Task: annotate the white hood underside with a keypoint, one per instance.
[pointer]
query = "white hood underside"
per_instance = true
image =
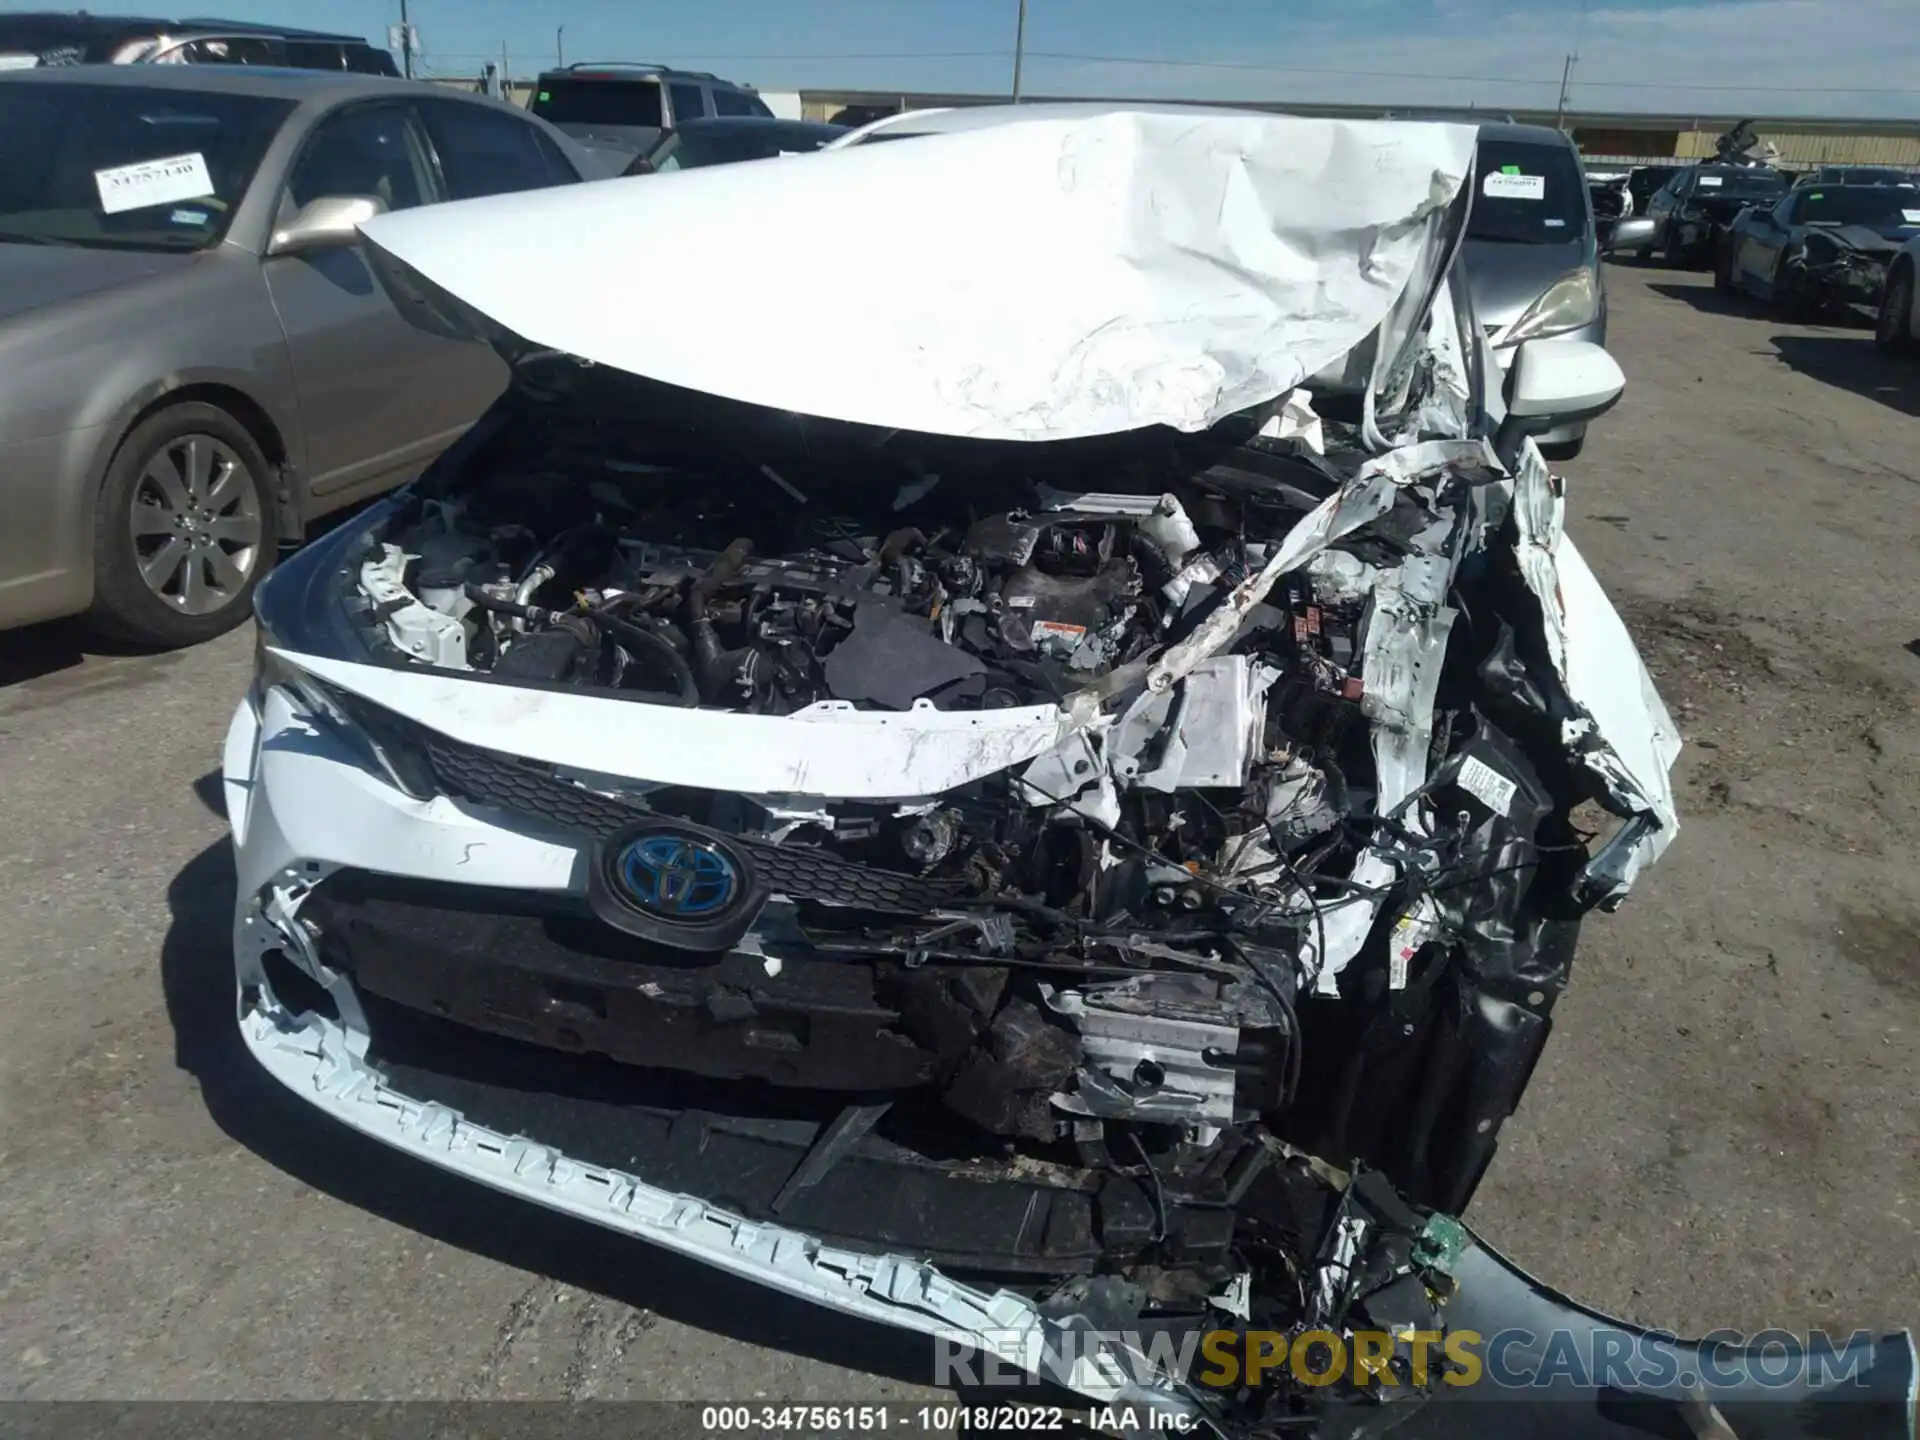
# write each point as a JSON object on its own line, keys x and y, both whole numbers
{"x": 1041, "y": 279}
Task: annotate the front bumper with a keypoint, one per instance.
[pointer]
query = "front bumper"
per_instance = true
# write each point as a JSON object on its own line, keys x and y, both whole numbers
{"x": 276, "y": 766}
{"x": 274, "y": 769}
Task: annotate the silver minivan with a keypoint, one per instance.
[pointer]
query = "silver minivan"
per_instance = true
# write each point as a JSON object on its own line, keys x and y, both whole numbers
{"x": 1531, "y": 253}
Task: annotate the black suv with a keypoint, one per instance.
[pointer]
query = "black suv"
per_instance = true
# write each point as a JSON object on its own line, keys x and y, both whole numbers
{"x": 623, "y": 108}
{"x": 49, "y": 38}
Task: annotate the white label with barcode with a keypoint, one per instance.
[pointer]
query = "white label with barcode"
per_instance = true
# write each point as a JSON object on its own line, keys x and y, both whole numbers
{"x": 1487, "y": 785}
{"x": 1502, "y": 186}
{"x": 153, "y": 182}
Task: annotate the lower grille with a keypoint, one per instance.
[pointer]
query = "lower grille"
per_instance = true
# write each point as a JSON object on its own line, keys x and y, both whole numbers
{"x": 526, "y": 787}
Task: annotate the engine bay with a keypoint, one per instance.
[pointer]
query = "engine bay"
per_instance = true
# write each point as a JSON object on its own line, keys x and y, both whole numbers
{"x": 751, "y": 598}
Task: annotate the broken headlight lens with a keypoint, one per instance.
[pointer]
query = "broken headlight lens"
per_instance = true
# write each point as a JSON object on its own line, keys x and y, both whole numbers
{"x": 379, "y": 736}
{"x": 1570, "y": 302}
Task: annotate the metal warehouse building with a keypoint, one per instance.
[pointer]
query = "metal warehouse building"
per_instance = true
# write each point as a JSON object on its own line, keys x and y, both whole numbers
{"x": 1801, "y": 142}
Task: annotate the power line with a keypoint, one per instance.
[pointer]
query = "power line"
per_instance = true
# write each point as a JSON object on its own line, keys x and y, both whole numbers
{"x": 1467, "y": 79}
{"x": 1475, "y": 79}
{"x": 794, "y": 55}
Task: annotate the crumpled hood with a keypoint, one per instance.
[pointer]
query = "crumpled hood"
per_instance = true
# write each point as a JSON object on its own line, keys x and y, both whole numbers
{"x": 1041, "y": 279}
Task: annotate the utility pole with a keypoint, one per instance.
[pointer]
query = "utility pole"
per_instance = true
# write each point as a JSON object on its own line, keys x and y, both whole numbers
{"x": 506, "y": 76}
{"x": 559, "y": 47}
{"x": 406, "y": 43}
{"x": 1566, "y": 70}
{"x": 1560, "y": 110}
{"x": 1019, "y": 49}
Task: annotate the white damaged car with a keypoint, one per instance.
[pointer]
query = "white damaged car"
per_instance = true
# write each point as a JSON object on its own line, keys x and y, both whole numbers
{"x": 987, "y": 735}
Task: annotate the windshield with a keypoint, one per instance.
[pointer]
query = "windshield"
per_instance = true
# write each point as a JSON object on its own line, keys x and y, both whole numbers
{"x": 1859, "y": 175}
{"x": 121, "y": 168}
{"x": 1737, "y": 182}
{"x": 699, "y": 145}
{"x": 597, "y": 102}
{"x": 1879, "y": 207}
{"x": 1527, "y": 194}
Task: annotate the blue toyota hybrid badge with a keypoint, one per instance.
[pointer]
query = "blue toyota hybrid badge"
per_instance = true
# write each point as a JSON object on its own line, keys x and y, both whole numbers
{"x": 678, "y": 877}
{"x": 675, "y": 884}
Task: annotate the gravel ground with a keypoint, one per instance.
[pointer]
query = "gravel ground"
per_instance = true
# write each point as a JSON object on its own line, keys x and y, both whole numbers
{"x": 1723, "y": 1133}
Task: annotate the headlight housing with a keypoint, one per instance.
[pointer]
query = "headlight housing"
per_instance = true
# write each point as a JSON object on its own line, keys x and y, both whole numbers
{"x": 1570, "y": 302}
{"x": 381, "y": 739}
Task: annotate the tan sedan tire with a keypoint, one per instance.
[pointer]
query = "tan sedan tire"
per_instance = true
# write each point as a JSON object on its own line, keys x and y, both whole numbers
{"x": 184, "y": 530}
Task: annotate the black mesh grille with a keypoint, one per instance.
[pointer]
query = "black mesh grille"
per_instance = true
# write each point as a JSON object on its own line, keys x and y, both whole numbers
{"x": 487, "y": 777}
{"x": 807, "y": 874}
{"x": 506, "y": 782}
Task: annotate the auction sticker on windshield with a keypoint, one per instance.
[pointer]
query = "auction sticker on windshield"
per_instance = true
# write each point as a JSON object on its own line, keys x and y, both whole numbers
{"x": 1711, "y": 182}
{"x": 1912, "y": 217}
{"x": 1503, "y": 185}
{"x": 153, "y": 182}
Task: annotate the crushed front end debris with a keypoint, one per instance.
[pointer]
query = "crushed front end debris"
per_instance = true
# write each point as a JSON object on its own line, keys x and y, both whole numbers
{"x": 1120, "y": 880}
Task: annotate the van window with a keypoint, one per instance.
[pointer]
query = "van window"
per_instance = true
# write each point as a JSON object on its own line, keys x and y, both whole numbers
{"x": 579, "y": 101}
{"x": 687, "y": 102}
{"x": 737, "y": 102}
{"x": 486, "y": 152}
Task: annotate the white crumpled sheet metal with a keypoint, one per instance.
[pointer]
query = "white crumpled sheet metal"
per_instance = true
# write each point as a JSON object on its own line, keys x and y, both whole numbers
{"x": 1627, "y": 739}
{"x": 1041, "y": 279}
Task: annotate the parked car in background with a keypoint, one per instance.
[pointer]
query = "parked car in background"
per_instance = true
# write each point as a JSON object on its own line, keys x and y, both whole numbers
{"x": 698, "y": 143}
{"x": 1820, "y": 250}
{"x": 1621, "y": 194}
{"x": 1606, "y": 191}
{"x": 198, "y": 360}
{"x": 1531, "y": 252}
{"x": 1643, "y": 181}
{"x": 1692, "y": 211}
{"x": 620, "y": 109}
{"x": 1897, "y": 323}
{"x": 1852, "y": 175}
{"x": 49, "y": 38}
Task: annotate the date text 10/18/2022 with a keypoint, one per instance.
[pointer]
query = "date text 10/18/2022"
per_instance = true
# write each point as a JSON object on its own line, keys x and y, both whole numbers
{"x": 937, "y": 1419}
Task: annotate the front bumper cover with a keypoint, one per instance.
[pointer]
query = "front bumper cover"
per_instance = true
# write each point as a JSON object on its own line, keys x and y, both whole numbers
{"x": 1671, "y": 1387}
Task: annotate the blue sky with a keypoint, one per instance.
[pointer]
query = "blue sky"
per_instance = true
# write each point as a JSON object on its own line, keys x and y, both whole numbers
{"x": 1813, "y": 57}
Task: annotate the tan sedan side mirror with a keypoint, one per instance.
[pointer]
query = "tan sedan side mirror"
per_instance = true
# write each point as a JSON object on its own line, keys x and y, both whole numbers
{"x": 329, "y": 220}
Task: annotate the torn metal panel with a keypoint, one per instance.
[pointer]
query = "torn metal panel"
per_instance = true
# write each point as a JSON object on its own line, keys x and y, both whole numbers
{"x": 319, "y": 1060}
{"x": 1360, "y": 500}
{"x": 827, "y": 749}
{"x": 1406, "y": 642}
{"x": 1064, "y": 276}
{"x": 1625, "y": 738}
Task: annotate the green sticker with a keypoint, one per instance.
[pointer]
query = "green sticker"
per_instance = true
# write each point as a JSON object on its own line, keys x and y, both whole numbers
{"x": 1509, "y": 169}
{"x": 1814, "y": 196}
{"x": 543, "y": 95}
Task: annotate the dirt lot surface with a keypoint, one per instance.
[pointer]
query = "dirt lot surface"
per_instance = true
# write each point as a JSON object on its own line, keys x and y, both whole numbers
{"x": 1723, "y": 1132}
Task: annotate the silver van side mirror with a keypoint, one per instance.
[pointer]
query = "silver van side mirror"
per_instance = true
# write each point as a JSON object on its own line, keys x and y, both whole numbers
{"x": 326, "y": 221}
